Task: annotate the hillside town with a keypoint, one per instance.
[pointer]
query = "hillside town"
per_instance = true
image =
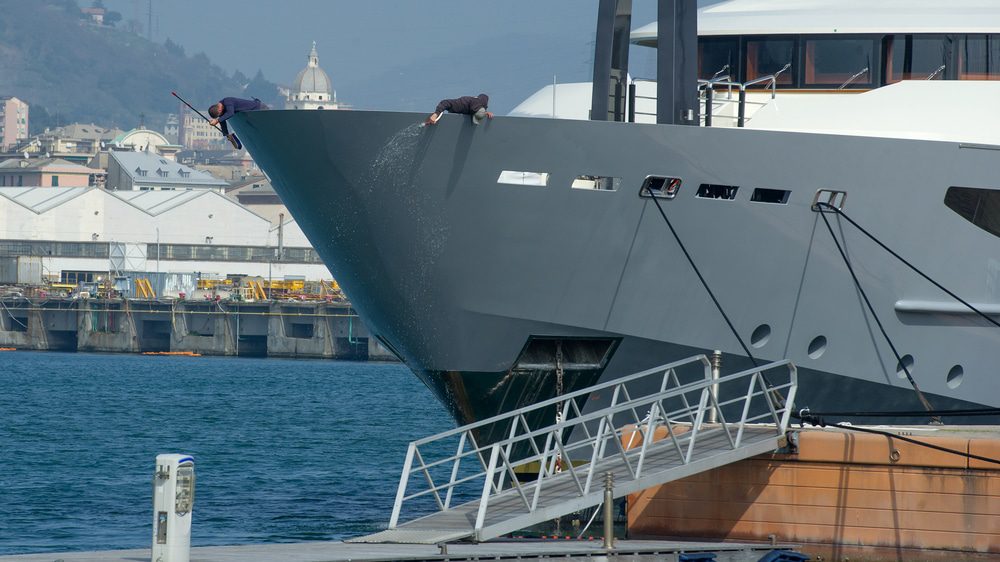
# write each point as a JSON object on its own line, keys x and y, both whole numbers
{"x": 92, "y": 206}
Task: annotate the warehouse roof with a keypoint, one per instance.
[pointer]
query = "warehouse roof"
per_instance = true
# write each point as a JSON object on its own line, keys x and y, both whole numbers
{"x": 143, "y": 167}
{"x": 43, "y": 165}
{"x": 41, "y": 199}
{"x": 153, "y": 203}
{"x": 158, "y": 202}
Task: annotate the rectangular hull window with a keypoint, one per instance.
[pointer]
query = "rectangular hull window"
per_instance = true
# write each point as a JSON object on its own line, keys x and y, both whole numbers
{"x": 776, "y": 196}
{"x": 715, "y": 191}
{"x": 510, "y": 177}
{"x": 597, "y": 183}
{"x": 981, "y": 207}
{"x": 660, "y": 186}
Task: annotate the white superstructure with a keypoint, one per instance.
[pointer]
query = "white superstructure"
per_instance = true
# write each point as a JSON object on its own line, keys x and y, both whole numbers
{"x": 904, "y": 69}
{"x": 779, "y": 17}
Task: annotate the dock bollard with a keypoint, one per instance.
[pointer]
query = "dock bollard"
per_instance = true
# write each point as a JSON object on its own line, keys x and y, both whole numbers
{"x": 173, "y": 501}
{"x": 609, "y": 510}
{"x": 716, "y": 360}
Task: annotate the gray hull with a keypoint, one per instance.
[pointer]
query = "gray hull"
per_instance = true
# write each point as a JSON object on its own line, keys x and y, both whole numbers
{"x": 456, "y": 272}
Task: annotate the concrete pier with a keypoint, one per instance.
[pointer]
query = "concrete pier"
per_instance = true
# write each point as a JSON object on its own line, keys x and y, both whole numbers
{"x": 309, "y": 329}
{"x": 632, "y": 551}
{"x": 845, "y": 495}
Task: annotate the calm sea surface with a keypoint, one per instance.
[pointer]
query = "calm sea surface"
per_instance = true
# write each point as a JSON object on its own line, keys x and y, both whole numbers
{"x": 284, "y": 450}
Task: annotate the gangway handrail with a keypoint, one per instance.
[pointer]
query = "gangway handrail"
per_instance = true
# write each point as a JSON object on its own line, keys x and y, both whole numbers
{"x": 551, "y": 401}
{"x": 500, "y": 462}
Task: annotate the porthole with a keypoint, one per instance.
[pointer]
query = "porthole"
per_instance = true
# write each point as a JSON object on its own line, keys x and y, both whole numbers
{"x": 817, "y": 347}
{"x": 955, "y": 376}
{"x": 760, "y": 335}
{"x": 906, "y": 361}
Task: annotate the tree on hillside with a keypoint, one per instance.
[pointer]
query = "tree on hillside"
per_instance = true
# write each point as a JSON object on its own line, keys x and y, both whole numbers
{"x": 264, "y": 90}
{"x": 201, "y": 59}
{"x": 40, "y": 119}
{"x": 68, "y": 73}
{"x": 174, "y": 48}
{"x": 111, "y": 18}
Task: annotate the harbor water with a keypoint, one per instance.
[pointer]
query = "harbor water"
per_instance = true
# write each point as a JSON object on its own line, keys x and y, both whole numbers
{"x": 285, "y": 450}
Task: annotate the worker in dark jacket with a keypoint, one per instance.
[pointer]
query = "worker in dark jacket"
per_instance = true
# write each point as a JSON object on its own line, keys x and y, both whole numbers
{"x": 226, "y": 108}
{"x": 468, "y": 105}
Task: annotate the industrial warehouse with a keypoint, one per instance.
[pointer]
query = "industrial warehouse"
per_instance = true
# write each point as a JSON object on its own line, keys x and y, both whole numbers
{"x": 83, "y": 233}
{"x": 143, "y": 241}
{"x": 189, "y": 272}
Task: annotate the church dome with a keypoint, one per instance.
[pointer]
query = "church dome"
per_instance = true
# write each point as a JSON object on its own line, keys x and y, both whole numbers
{"x": 313, "y": 79}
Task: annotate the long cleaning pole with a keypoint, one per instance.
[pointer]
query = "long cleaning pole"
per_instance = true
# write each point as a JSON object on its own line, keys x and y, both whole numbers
{"x": 200, "y": 114}
{"x": 232, "y": 138}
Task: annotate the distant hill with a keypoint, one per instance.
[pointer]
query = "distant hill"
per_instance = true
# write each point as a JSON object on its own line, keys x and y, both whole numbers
{"x": 70, "y": 69}
{"x": 508, "y": 67}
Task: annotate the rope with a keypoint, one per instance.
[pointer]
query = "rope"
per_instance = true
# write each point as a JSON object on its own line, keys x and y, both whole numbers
{"x": 775, "y": 394}
{"x": 816, "y": 420}
{"x": 871, "y": 309}
{"x": 906, "y": 263}
{"x": 704, "y": 283}
{"x": 914, "y": 413}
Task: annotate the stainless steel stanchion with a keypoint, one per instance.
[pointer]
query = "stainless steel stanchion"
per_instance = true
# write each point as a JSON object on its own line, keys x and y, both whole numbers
{"x": 609, "y": 511}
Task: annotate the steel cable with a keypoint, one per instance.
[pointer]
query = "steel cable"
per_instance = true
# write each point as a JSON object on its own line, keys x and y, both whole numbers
{"x": 704, "y": 283}
{"x": 878, "y": 321}
{"x": 915, "y": 269}
{"x": 817, "y": 420}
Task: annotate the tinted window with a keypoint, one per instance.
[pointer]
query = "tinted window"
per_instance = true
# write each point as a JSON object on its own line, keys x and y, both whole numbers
{"x": 715, "y": 54}
{"x": 834, "y": 61}
{"x": 768, "y": 56}
{"x": 979, "y": 57}
{"x": 915, "y": 57}
{"x": 776, "y": 196}
{"x": 981, "y": 207}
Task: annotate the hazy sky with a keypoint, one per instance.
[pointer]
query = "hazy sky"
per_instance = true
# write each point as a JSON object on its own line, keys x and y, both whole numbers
{"x": 371, "y": 46}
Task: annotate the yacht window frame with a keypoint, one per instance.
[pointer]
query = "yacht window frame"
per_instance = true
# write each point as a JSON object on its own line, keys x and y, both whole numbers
{"x": 788, "y": 79}
{"x": 808, "y": 78}
{"x": 961, "y": 41}
{"x": 887, "y": 50}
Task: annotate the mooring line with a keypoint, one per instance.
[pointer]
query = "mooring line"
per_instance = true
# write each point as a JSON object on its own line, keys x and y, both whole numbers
{"x": 878, "y": 321}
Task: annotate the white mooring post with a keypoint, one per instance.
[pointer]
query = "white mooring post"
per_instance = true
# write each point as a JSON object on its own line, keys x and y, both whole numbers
{"x": 173, "y": 500}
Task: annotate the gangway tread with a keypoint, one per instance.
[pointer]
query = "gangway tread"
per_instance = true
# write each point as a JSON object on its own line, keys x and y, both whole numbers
{"x": 688, "y": 444}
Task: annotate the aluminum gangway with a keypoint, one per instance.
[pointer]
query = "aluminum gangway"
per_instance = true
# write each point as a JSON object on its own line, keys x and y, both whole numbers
{"x": 648, "y": 429}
